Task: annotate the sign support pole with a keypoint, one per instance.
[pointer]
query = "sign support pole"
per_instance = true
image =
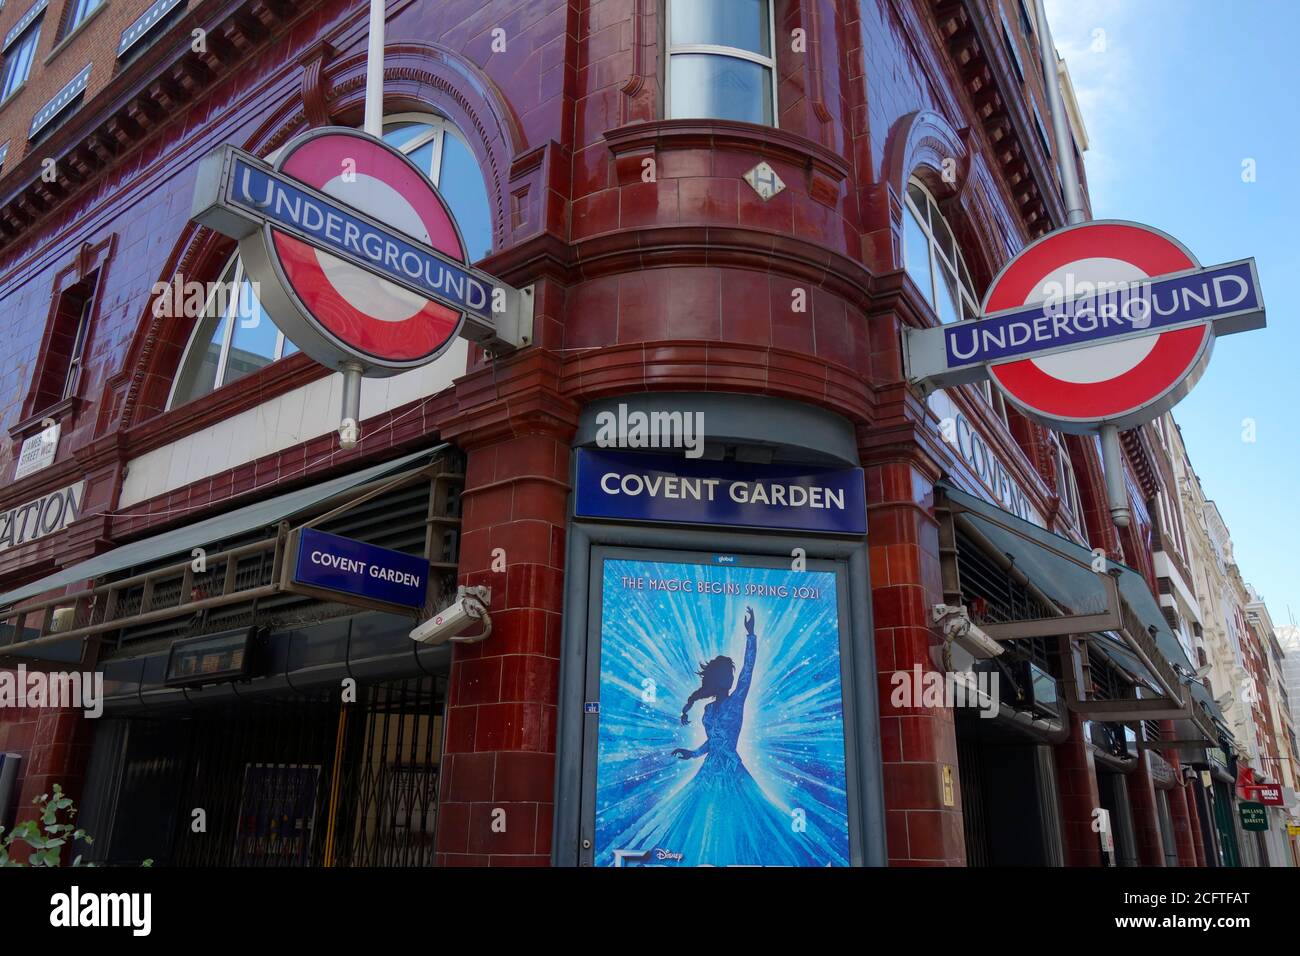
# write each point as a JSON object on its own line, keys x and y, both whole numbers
{"x": 350, "y": 417}
{"x": 1112, "y": 460}
{"x": 374, "y": 123}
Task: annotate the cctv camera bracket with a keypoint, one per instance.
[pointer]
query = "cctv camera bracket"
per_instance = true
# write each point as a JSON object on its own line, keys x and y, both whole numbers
{"x": 958, "y": 628}
{"x": 476, "y": 600}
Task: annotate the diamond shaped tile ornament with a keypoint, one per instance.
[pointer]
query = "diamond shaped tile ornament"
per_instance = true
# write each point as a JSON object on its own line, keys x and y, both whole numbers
{"x": 765, "y": 181}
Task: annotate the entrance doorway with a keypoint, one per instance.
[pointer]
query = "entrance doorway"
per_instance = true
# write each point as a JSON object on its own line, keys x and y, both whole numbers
{"x": 283, "y": 781}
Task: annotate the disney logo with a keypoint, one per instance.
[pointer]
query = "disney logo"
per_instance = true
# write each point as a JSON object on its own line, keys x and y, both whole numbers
{"x": 661, "y": 854}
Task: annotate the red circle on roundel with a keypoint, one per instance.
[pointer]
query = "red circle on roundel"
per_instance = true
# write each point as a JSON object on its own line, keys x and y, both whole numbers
{"x": 427, "y": 328}
{"x": 1170, "y": 359}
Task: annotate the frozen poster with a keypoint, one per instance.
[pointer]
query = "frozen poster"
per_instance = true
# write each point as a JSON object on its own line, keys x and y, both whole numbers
{"x": 721, "y": 739}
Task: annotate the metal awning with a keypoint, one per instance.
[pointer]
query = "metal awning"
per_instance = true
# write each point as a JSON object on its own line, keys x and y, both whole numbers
{"x": 44, "y": 642}
{"x": 1093, "y": 597}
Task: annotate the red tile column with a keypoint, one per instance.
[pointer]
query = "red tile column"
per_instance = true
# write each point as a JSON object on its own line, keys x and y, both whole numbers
{"x": 1179, "y": 814}
{"x": 1146, "y": 824}
{"x": 55, "y": 747}
{"x": 496, "y": 798}
{"x": 917, "y": 743}
{"x": 1076, "y": 781}
{"x": 1194, "y": 816}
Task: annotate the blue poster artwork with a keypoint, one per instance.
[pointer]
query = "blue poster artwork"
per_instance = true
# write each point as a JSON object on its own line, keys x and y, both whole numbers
{"x": 721, "y": 739}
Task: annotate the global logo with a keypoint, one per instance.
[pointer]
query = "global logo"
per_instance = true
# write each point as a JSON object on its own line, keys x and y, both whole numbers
{"x": 335, "y": 259}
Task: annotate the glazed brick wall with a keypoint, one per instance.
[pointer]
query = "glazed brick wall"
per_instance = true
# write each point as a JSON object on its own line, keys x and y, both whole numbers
{"x": 54, "y": 745}
{"x": 686, "y": 281}
{"x": 499, "y": 756}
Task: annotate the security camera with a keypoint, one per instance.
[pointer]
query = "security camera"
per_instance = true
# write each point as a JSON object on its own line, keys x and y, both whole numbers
{"x": 965, "y": 633}
{"x": 469, "y": 607}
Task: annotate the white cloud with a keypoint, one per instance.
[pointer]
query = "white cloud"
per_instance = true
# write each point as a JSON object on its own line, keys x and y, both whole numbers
{"x": 1092, "y": 37}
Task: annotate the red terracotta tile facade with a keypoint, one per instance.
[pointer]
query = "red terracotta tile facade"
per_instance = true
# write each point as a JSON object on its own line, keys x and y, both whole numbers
{"x": 687, "y": 282}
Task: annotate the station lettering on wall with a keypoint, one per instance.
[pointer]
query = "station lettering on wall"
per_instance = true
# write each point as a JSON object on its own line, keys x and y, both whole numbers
{"x": 997, "y": 484}
{"x": 788, "y": 497}
{"x": 46, "y": 515}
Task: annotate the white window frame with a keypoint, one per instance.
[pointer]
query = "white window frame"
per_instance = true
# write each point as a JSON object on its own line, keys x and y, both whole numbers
{"x": 967, "y": 304}
{"x": 439, "y": 127}
{"x": 715, "y": 49}
{"x": 81, "y": 11}
{"x": 33, "y": 33}
{"x": 1067, "y": 483}
{"x": 76, "y": 360}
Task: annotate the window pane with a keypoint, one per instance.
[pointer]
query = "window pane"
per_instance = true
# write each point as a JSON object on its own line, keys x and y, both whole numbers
{"x": 83, "y": 9}
{"x": 946, "y": 305}
{"x": 399, "y": 134}
{"x": 462, "y": 187}
{"x": 921, "y": 200}
{"x": 916, "y": 253}
{"x": 738, "y": 23}
{"x": 18, "y": 62}
{"x": 199, "y": 376}
{"x": 720, "y": 87}
{"x": 423, "y": 157}
{"x": 942, "y": 236}
{"x": 289, "y": 348}
{"x": 253, "y": 344}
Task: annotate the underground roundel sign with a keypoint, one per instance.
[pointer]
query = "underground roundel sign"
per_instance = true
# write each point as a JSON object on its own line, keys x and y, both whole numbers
{"x": 356, "y": 254}
{"x": 1104, "y": 322}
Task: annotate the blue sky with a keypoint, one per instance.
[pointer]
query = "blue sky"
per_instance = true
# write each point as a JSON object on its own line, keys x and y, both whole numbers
{"x": 1175, "y": 97}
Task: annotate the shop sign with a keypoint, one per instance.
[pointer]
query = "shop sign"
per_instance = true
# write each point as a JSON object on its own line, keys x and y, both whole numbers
{"x": 328, "y": 562}
{"x": 721, "y": 738}
{"x": 1269, "y": 794}
{"x": 1000, "y": 487}
{"x": 1254, "y": 816}
{"x": 630, "y": 487}
{"x": 38, "y": 451}
{"x": 46, "y": 515}
{"x": 1101, "y": 323}
{"x": 357, "y": 255}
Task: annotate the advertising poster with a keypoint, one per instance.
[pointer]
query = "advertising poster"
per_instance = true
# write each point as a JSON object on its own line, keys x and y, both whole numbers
{"x": 277, "y": 812}
{"x": 721, "y": 725}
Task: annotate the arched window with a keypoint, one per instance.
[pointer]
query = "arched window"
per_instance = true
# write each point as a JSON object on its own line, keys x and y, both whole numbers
{"x": 932, "y": 259}
{"x": 235, "y": 337}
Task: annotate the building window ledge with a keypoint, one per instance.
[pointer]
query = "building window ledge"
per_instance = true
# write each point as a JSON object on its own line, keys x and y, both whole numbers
{"x": 826, "y": 169}
{"x": 59, "y": 412}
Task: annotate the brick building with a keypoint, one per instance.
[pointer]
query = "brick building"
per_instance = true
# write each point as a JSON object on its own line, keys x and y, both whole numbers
{"x": 731, "y": 209}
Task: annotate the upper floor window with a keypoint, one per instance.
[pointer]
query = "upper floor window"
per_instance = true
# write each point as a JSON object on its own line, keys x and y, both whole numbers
{"x": 1026, "y": 19}
{"x": 932, "y": 259}
{"x": 1013, "y": 48}
{"x": 18, "y": 60}
{"x": 721, "y": 60}
{"x": 60, "y": 370}
{"x": 78, "y": 11}
{"x": 235, "y": 336}
{"x": 1067, "y": 487}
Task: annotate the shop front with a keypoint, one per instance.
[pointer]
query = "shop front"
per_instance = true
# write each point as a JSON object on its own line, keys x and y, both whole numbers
{"x": 249, "y": 719}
